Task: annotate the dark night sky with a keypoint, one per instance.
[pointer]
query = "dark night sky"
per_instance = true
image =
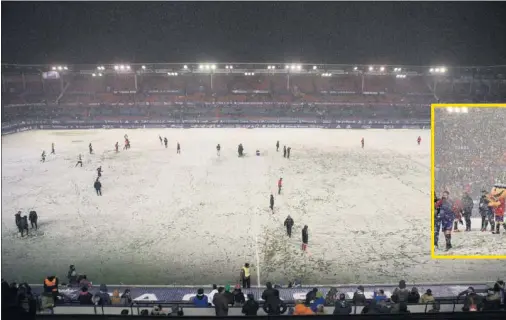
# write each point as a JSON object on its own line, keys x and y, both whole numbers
{"x": 420, "y": 33}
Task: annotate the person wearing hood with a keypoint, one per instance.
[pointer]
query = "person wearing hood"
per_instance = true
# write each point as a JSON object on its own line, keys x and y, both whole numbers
{"x": 72, "y": 275}
{"x": 251, "y": 307}
{"x": 103, "y": 296}
{"x": 414, "y": 296}
{"x": 220, "y": 303}
{"x": 311, "y": 295}
{"x": 358, "y": 296}
{"x": 427, "y": 297}
{"x": 275, "y": 306}
{"x": 269, "y": 292}
{"x": 200, "y": 300}
{"x": 301, "y": 309}
{"x": 238, "y": 295}
{"x": 319, "y": 300}
{"x": 342, "y": 306}
{"x": 331, "y": 297}
{"x": 289, "y": 225}
{"x": 229, "y": 295}
{"x": 212, "y": 293}
{"x": 85, "y": 298}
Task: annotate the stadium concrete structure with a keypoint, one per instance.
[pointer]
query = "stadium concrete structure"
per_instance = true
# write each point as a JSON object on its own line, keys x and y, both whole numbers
{"x": 147, "y": 96}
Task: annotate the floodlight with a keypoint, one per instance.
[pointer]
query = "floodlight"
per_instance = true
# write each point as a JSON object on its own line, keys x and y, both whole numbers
{"x": 287, "y": 67}
{"x": 207, "y": 67}
{"x": 94, "y": 75}
{"x": 65, "y": 68}
{"x": 100, "y": 74}
{"x": 431, "y": 70}
{"x": 60, "y": 68}
{"x": 143, "y": 67}
{"x": 213, "y": 66}
{"x": 443, "y": 70}
{"x": 450, "y": 109}
{"x": 382, "y": 69}
{"x": 116, "y": 67}
{"x": 355, "y": 68}
{"x": 315, "y": 67}
{"x": 371, "y": 68}
{"x": 54, "y": 68}
{"x": 185, "y": 67}
{"x": 201, "y": 66}
{"x": 299, "y": 67}
{"x": 292, "y": 67}
{"x": 437, "y": 70}
{"x": 128, "y": 67}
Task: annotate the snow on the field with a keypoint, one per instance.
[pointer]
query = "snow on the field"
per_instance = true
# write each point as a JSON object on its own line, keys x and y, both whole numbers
{"x": 196, "y": 218}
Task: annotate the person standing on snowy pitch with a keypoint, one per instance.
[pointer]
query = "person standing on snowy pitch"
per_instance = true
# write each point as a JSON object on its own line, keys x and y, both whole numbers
{"x": 166, "y": 142}
{"x": 178, "y": 148}
{"x": 289, "y": 224}
{"x": 52, "y": 148}
{"x": 91, "y": 148}
{"x": 161, "y": 140}
{"x": 419, "y": 140}
{"x": 305, "y": 238}
{"x": 23, "y": 225}
{"x": 98, "y": 187}
{"x": 284, "y": 151}
{"x": 362, "y": 142}
{"x": 116, "y": 146}
{"x": 218, "y": 148}
{"x": 447, "y": 214}
{"x": 277, "y": 146}
{"x": 43, "y": 156}
{"x": 33, "y": 219}
{"x": 288, "y": 152}
{"x": 280, "y": 185}
{"x": 437, "y": 221}
{"x": 484, "y": 210}
{"x": 240, "y": 150}
{"x": 467, "y": 209}
{"x": 99, "y": 171}
{"x": 79, "y": 161}
{"x": 271, "y": 201}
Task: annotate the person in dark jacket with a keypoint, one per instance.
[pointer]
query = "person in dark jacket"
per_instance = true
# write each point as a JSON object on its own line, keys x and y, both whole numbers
{"x": 358, "y": 296}
{"x": 470, "y": 298}
{"x": 342, "y": 306}
{"x": 98, "y": 187}
{"x": 414, "y": 296}
{"x": 220, "y": 303}
{"x": 289, "y": 224}
{"x": 284, "y": 151}
{"x": 251, "y": 307}
{"x": 288, "y": 150}
{"x": 200, "y": 300}
{"x": 23, "y": 225}
{"x": 305, "y": 238}
{"x": 311, "y": 295}
{"x": 238, "y": 295}
{"x": 18, "y": 219}
{"x": 85, "y": 297}
{"x": 269, "y": 292}
{"x": 33, "y": 219}
{"x": 277, "y": 146}
{"x": 484, "y": 209}
{"x": 229, "y": 295}
{"x": 271, "y": 202}
{"x": 72, "y": 275}
{"x": 103, "y": 296}
{"x": 275, "y": 306}
{"x": 400, "y": 293}
{"x": 403, "y": 308}
{"x": 467, "y": 208}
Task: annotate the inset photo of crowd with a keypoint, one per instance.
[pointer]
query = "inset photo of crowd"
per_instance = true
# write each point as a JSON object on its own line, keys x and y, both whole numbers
{"x": 469, "y": 181}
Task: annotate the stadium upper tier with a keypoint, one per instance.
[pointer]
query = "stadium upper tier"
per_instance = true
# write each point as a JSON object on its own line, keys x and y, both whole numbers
{"x": 195, "y": 84}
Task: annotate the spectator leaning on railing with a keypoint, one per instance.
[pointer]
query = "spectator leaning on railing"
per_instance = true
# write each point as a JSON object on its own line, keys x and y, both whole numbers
{"x": 427, "y": 297}
{"x": 251, "y": 307}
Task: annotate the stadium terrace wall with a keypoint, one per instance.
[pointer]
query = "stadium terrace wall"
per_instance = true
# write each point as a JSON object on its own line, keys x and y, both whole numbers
{"x": 10, "y": 128}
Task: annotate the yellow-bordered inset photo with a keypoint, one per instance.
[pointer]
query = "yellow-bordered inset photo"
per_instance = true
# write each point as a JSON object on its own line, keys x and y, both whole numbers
{"x": 468, "y": 170}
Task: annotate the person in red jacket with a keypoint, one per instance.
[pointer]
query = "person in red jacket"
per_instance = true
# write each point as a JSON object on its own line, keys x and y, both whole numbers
{"x": 280, "y": 185}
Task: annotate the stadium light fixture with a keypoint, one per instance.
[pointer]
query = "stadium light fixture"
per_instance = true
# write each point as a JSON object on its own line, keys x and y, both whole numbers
{"x": 93, "y": 74}
{"x": 201, "y": 67}
{"x": 99, "y": 74}
{"x": 371, "y": 68}
{"x": 54, "y": 68}
{"x": 315, "y": 67}
{"x": 355, "y": 69}
{"x": 326, "y": 75}
{"x": 299, "y": 67}
{"x": 185, "y": 67}
{"x": 213, "y": 67}
{"x": 116, "y": 67}
{"x": 65, "y": 68}
{"x": 431, "y": 70}
{"x": 382, "y": 69}
{"x": 287, "y": 67}
{"x": 143, "y": 67}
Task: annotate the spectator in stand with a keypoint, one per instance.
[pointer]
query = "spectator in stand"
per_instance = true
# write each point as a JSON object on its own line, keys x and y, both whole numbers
{"x": 311, "y": 295}
{"x": 320, "y": 309}
{"x": 400, "y": 293}
{"x": 301, "y": 309}
{"x": 493, "y": 299}
{"x": 269, "y": 292}
{"x": 126, "y": 298}
{"x": 51, "y": 286}
{"x": 331, "y": 297}
{"x": 200, "y": 300}
{"x": 471, "y": 299}
{"x": 115, "y": 299}
{"x": 85, "y": 297}
{"x": 317, "y": 301}
{"x": 220, "y": 303}
{"x": 251, "y": 307}
{"x": 403, "y": 308}
{"x": 158, "y": 311}
{"x": 229, "y": 295}
{"x": 427, "y": 297}
{"x": 238, "y": 295}
{"x": 414, "y": 296}
{"x": 84, "y": 282}
{"x": 379, "y": 295}
{"x": 102, "y": 297}
{"x": 275, "y": 306}
{"x": 26, "y": 300}
{"x": 212, "y": 293}
{"x": 358, "y": 296}
{"x": 342, "y": 306}
{"x": 72, "y": 276}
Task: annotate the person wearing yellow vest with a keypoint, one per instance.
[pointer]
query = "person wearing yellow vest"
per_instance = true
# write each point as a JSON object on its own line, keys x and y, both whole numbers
{"x": 245, "y": 276}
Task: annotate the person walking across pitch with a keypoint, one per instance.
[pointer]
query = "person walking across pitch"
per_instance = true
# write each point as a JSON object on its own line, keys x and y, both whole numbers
{"x": 98, "y": 187}
{"x": 161, "y": 140}
{"x": 166, "y": 142}
{"x": 289, "y": 224}
{"x": 277, "y": 146}
{"x": 43, "y": 156}
{"x": 271, "y": 203}
{"x": 305, "y": 238}
{"x": 218, "y": 149}
{"x": 79, "y": 161}
{"x": 284, "y": 151}
{"x": 280, "y": 185}
{"x": 178, "y": 148}
{"x": 99, "y": 171}
{"x": 246, "y": 276}
{"x": 52, "y": 148}
{"x": 91, "y": 148}
{"x": 116, "y": 146}
{"x": 33, "y": 219}
{"x": 288, "y": 152}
